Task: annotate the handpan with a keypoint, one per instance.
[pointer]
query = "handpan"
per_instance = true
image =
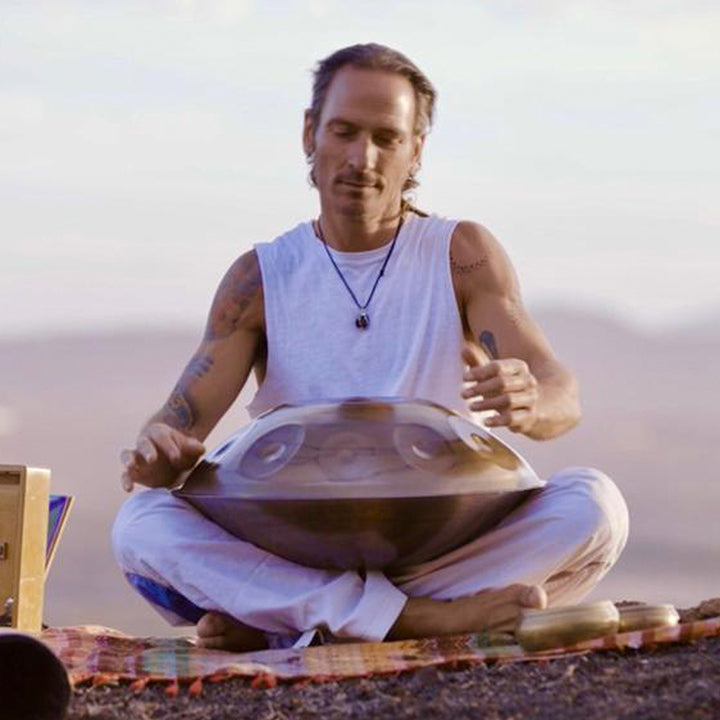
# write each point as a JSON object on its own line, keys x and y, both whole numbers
{"x": 376, "y": 483}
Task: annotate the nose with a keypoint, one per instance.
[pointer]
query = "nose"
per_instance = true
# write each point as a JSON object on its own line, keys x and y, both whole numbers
{"x": 362, "y": 154}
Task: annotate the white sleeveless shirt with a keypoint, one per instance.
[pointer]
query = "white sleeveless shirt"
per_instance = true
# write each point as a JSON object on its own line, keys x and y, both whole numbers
{"x": 412, "y": 346}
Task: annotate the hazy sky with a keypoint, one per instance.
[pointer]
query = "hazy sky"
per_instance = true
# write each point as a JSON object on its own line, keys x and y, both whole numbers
{"x": 144, "y": 145}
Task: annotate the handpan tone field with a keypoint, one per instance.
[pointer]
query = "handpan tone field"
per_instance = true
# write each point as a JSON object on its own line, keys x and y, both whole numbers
{"x": 370, "y": 483}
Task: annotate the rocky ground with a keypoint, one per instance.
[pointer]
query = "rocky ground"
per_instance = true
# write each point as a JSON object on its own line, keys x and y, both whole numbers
{"x": 665, "y": 682}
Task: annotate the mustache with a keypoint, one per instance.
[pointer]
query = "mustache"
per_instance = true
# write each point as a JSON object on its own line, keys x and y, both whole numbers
{"x": 358, "y": 178}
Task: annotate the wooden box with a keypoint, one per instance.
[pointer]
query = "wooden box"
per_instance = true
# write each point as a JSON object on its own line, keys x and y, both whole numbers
{"x": 24, "y": 502}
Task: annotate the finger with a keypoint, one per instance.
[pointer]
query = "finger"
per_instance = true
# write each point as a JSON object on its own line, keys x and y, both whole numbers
{"x": 189, "y": 448}
{"x": 127, "y": 483}
{"x": 165, "y": 441}
{"x": 188, "y": 456}
{"x": 191, "y": 445}
{"x": 490, "y": 369}
{"x": 502, "y": 419}
{"x": 515, "y": 366}
{"x": 146, "y": 449}
{"x": 496, "y": 385}
{"x": 175, "y": 446}
{"x": 472, "y": 356}
{"x": 128, "y": 457}
{"x": 479, "y": 373}
{"x": 506, "y": 367}
{"x": 515, "y": 420}
{"x": 133, "y": 462}
{"x": 512, "y": 401}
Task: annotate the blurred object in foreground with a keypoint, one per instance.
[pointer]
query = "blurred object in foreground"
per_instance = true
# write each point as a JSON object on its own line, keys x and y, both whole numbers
{"x": 35, "y": 685}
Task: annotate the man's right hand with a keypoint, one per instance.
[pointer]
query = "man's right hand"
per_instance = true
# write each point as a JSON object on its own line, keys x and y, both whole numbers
{"x": 161, "y": 454}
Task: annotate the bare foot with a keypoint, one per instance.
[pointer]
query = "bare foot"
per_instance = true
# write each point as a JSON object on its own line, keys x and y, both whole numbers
{"x": 496, "y": 610}
{"x": 218, "y": 631}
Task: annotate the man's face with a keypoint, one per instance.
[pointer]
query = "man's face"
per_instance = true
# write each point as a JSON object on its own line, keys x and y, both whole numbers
{"x": 364, "y": 146}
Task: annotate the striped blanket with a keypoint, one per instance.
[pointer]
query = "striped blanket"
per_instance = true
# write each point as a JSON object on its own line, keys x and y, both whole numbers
{"x": 99, "y": 655}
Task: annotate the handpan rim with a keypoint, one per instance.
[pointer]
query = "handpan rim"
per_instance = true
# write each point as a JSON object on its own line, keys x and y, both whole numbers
{"x": 356, "y": 489}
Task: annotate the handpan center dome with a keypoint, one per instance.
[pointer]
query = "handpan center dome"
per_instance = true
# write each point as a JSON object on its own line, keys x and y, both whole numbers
{"x": 380, "y": 483}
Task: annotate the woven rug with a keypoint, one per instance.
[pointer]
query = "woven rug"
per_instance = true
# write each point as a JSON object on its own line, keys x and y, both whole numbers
{"x": 100, "y": 656}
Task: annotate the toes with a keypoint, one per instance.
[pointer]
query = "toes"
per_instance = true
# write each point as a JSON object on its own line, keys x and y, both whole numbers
{"x": 218, "y": 631}
{"x": 501, "y": 608}
{"x": 217, "y": 642}
{"x": 212, "y": 624}
{"x": 503, "y": 616}
{"x": 533, "y": 596}
{"x": 524, "y": 596}
{"x": 521, "y": 597}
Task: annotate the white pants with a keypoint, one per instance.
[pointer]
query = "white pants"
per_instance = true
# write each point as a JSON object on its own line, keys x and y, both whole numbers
{"x": 564, "y": 538}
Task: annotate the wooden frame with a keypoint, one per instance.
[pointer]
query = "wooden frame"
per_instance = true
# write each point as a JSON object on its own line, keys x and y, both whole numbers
{"x": 24, "y": 499}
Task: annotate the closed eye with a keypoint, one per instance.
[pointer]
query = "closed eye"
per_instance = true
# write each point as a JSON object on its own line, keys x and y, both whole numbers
{"x": 342, "y": 130}
{"x": 387, "y": 139}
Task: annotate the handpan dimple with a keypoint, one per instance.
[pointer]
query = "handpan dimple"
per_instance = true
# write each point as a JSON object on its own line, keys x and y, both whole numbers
{"x": 350, "y": 455}
{"x": 272, "y": 451}
{"x": 423, "y": 448}
{"x": 483, "y": 443}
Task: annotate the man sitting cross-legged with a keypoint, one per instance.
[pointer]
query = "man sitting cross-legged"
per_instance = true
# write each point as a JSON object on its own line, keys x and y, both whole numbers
{"x": 374, "y": 299}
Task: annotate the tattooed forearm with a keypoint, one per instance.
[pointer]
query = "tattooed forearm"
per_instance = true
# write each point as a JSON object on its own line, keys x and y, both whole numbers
{"x": 459, "y": 268}
{"x": 179, "y": 410}
{"x": 199, "y": 366}
{"x": 487, "y": 343}
{"x": 239, "y": 293}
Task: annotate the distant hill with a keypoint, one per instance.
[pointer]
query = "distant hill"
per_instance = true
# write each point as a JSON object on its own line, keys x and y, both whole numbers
{"x": 651, "y": 421}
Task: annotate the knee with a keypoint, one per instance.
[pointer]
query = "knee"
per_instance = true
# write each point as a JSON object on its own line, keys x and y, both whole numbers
{"x": 597, "y": 507}
{"x": 127, "y": 530}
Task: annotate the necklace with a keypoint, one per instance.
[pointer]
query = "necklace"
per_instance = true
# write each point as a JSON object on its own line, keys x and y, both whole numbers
{"x": 363, "y": 319}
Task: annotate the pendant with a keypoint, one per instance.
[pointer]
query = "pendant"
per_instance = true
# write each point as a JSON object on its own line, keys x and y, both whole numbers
{"x": 362, "y": 321}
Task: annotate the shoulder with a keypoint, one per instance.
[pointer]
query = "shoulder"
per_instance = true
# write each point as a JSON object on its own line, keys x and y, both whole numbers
{"x": 238, "y": 302}
{"x": 478, "y": 261}
{"x": 286, "y": 247}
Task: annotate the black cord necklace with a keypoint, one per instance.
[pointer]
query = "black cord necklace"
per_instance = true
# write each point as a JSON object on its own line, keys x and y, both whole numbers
{"x": 363, "y": 319}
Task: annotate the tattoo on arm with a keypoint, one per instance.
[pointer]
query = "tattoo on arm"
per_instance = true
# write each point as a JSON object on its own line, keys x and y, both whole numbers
{"x": 487, "y": 343}
{"x": 237, "y": 292}
{"x": 179, "y": 410}
{"x": 459, "y": 268}
{"x": 515, "y": 312}
{"x": 199, "y": 366}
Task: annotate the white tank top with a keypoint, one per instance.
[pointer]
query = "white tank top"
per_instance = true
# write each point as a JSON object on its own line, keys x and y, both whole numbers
{"x": 412, "y": 346}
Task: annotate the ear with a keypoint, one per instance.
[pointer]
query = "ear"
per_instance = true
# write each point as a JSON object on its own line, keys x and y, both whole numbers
{"x": 308, "y": 135}
{"x": 418, "y": 145}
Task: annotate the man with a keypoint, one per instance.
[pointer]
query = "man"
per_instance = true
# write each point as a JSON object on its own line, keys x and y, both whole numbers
{"x": 376, "y": 299}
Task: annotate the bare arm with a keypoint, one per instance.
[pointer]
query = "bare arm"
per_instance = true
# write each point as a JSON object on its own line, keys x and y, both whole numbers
{"x": 171, "y": 440}
{"x": 517, "y": 373}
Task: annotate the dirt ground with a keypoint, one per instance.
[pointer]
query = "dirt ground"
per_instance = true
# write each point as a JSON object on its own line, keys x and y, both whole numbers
{"x": 665, "y": 682}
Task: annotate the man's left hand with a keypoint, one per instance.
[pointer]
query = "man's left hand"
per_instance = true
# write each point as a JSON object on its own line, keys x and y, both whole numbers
{"x": 506, "y": 386}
